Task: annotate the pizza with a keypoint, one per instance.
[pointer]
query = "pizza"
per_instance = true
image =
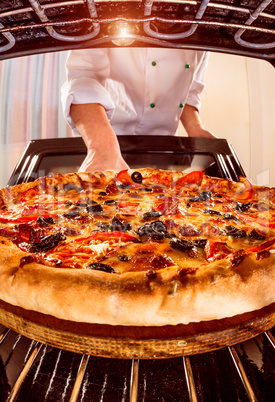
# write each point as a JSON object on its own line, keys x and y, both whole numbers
{"x": 141, "y": 247}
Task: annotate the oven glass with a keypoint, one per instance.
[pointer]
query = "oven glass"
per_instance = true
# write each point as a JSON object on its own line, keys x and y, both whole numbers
{"x": 52, "y": 164}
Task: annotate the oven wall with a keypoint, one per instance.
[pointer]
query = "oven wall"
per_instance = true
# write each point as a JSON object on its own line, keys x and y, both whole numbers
{"x": 238, "y": 103}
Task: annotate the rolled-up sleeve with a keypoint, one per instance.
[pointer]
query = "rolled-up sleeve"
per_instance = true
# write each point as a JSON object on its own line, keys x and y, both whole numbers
{"x": 86, "y": 71}
{"x": 198, "y": 83}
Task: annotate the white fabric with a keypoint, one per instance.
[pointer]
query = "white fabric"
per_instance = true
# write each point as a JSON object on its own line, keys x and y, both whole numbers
{"x": 126, "y": 83}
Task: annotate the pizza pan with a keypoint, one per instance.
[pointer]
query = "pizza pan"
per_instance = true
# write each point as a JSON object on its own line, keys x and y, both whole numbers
{"x": 137, "y": 342}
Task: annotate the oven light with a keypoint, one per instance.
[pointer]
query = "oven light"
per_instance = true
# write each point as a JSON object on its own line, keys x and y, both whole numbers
{"x": 123, "y": 32}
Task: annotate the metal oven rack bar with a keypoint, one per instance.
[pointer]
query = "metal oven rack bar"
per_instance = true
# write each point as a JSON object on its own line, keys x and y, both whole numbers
{"x": 251, "y": 366}
{"x": 241, "y": 23}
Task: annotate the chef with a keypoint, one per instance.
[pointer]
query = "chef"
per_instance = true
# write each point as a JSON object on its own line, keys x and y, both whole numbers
{"x": 138, "y": 91}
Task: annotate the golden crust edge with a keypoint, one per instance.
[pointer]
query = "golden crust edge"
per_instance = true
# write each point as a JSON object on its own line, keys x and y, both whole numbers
{"x": 218, "y": 291}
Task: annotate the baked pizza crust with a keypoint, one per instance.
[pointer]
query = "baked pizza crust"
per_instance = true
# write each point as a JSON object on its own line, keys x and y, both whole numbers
{"x": 131, "y": 299}
{"x": 214, "y": 291}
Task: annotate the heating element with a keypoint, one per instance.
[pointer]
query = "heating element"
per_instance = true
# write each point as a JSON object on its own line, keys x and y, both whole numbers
{"x": 31, "y": 371}
{"x": 237, "y": 27}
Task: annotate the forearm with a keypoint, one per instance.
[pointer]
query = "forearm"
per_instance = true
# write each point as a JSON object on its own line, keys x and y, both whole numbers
{"x": 192, "y": 123}
{"x": 103, "y": 152}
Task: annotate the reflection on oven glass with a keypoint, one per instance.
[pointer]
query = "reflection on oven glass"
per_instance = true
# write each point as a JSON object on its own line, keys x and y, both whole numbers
{"x": 53, "y": 164}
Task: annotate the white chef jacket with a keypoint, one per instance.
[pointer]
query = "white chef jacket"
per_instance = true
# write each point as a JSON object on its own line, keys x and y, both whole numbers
{"x": 143, "y": 90}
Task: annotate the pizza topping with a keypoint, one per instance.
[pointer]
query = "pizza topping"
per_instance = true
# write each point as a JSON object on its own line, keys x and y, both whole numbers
{"x": 187, "y": 216}
{"x": 203, "y": 196}
{"x": 101, "y": 267}
{"x": 116, "y": 225}
{"x": 72, "y": 214}
{"x": 155, "y": 230}
{"x": 182, "y": 272}
{"x": 211, "y": 212}
{"x": 227, "y": 216}
{"x": 95, "y": 209}
{"x": 136, "y": 177}
{"x": 255, "y": 234}
{"x": 235, "y": 232}
{"x": 70, "y": 231}
{"x": 216, "y": 250}
{"x": 236, "y": 258}
{"x": 147, "y": 216}
{"x": 45, "y": 221}
{"x": 46, "y": 243}
{"x": 242, "y": 207}
{"x": 189, "y": 230}
{"x": 151, "y": 275}
{"x": 262, "y": 254}
{"x": 181, "y": 244}
{"x": 246, "y": 192}
{"x": 109, "y": 202}
{"x": 124, "y": 257}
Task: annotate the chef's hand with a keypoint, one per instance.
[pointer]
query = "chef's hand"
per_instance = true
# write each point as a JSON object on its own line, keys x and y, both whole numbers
{"x": 103, "y": 151}
{"x": 192, "y": 123}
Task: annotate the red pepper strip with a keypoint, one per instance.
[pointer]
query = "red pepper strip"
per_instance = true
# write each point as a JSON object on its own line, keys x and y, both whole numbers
{"x": 103, "y": 236}
{"x": 260, "y": 221}
{"x": 128, "y": 207}
{"x": 190, "y": 178}
{"x": 265, "y": 245}
{"x": 123, "y": 177}
{"x": 169, "y": 206}
{"x": 247, "y": 193}
{"x": 216, "y": 250}
{"x": 25, "y": 219}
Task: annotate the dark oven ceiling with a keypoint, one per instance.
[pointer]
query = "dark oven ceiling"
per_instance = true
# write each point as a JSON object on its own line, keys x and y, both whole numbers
{"x": 242, "y": 27}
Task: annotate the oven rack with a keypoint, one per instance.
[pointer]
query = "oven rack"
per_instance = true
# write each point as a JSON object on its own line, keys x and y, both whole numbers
{"x": 242, "y": 372}
{"x": 247, "y": 29}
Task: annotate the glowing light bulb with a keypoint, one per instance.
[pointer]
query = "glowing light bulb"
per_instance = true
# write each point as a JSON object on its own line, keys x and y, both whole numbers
{"x": 123, "y": 32}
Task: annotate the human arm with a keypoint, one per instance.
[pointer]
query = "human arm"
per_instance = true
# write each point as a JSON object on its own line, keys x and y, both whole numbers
{"x": 103, "y": 151}
{"x": 192, "y": 123}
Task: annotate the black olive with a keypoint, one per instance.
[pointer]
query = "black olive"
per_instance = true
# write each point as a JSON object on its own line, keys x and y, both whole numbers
{"x": 120, "y": 226}
{"x": 235, "y": 232}
{"x": 180, "y": 244}
{"x": 147, "y": 190}
{"x": 82, "y": 205}
{"x": 201, "y": 243}
{"x": 156, "y": 228}
{"x": 229, "y": 216}
{"x": 203, "y": 196}
{"x": 136, "y": 177}
{"x": 102, "y": 193}
{"x": 256, "y": 235}
{"x": 211, "y": 212}
{"x": 47, "y": 242}
{"x": 147, "y": 216}
{"x": 42, "y": 221}
{"x": 97, "y": 266}
{"x": 124, "y": 257}
{"x": 92, "y": 202}
{"x": 194, "y": 199}
{"x": 95, "y": 209}
{"x": 71, "y": 214}
{"x": 109, "y": 202}
{"x": 242, "y": 207}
